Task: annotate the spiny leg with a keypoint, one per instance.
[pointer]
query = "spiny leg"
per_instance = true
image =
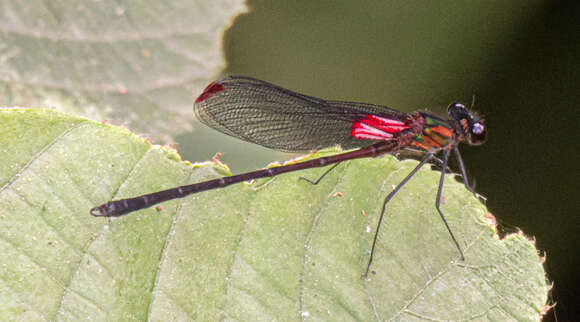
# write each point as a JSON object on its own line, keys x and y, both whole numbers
{"x": 427, "y": 157}
{"x": 321, "y": 177}
{"x": 438, "y": 202}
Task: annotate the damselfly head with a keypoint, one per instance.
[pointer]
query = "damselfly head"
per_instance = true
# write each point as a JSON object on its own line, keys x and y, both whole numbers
{"x": 470, "y": 125}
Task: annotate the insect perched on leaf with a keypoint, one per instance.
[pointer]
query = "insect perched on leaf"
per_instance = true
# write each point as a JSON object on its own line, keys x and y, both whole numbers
{"x": 259, "y": 112}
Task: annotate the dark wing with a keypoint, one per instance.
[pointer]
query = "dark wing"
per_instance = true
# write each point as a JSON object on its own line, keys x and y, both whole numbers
{"x": 268, "y": 115}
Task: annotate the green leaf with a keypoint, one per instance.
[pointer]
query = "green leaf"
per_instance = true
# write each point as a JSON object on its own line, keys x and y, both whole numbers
{"x": 281, "y": 249}
{"x": 134, "y": 63}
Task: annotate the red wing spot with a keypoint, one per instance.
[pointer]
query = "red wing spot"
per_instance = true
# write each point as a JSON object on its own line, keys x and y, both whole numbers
{"x": 210, "y": 90}
{"x": 374, "y": 127}
{"x": 384, "y": 124}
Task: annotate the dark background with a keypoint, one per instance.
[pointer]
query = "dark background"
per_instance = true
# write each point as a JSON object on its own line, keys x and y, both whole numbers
{"x": 520, "y": 58}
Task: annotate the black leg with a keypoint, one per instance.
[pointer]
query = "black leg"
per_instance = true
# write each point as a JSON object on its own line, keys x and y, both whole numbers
{"x": 426, "y": 158}
{"x": 438, "y": 202}
{"x": 322, "y": 176}
{"x": 435, "y": 161}
{"x": 463, "y": 173}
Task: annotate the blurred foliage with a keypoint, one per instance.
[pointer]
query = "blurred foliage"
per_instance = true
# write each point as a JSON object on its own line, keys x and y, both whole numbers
{"x": 135, "y": 64}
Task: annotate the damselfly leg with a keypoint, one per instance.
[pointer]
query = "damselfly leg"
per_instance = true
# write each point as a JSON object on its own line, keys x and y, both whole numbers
{"x": 321, "y": 177}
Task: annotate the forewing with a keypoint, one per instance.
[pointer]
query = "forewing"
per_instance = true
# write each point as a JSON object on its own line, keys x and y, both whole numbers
{"x": 268, "y": 115}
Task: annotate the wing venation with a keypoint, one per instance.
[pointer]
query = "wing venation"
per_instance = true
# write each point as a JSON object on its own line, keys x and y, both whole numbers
{"x": 268, "y": 115}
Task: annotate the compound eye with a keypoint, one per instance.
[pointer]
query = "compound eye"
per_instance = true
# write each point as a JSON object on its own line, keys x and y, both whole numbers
{"x": 477, "y": 133}
{"x": 478, "y": 128}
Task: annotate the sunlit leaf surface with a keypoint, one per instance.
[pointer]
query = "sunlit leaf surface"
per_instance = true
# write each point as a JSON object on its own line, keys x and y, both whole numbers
{"x": 280, "y": 249}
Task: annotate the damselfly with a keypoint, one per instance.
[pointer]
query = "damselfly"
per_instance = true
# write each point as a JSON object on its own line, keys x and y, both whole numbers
{"x": 268, "y": 115}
